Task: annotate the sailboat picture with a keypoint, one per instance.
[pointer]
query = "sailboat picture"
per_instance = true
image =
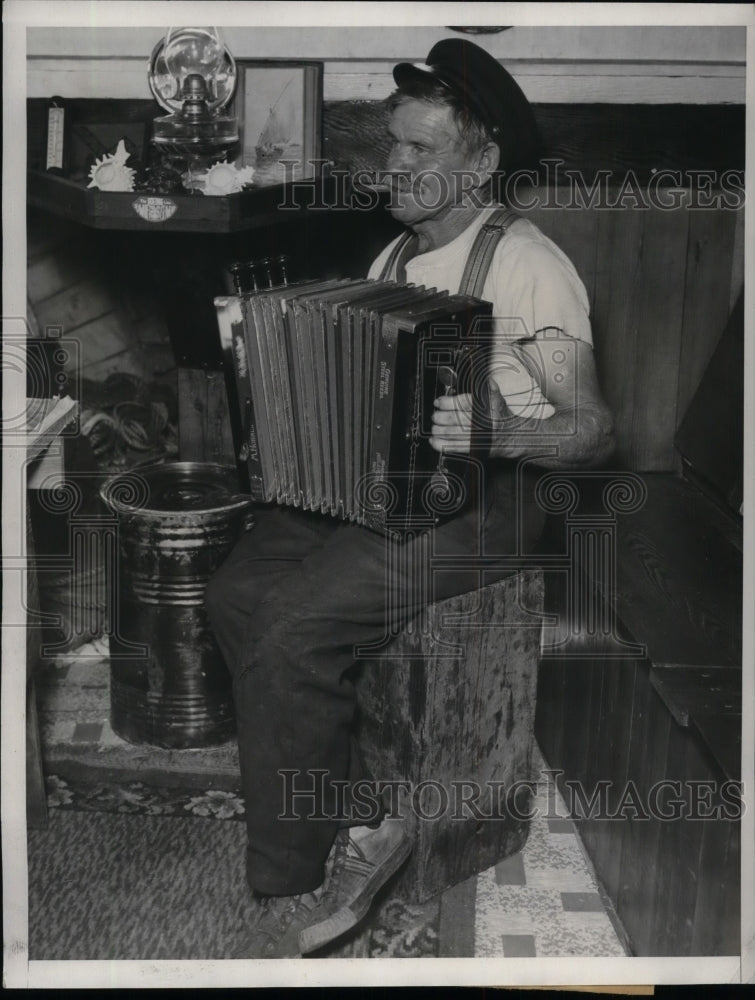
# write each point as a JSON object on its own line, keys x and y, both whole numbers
{"x": 278, "y": 105}
{"x": 279, "y": 131}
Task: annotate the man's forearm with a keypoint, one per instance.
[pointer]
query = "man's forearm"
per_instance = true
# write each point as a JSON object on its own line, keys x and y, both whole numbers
{"x": 562, "y": 441}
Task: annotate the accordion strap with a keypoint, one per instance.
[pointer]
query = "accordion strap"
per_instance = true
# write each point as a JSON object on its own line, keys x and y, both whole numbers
{"x": 481, "y": 254}
{"x": 478, "y": 262}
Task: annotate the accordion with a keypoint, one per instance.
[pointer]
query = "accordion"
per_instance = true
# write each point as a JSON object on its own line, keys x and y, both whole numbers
{"x": 336, "y": 382}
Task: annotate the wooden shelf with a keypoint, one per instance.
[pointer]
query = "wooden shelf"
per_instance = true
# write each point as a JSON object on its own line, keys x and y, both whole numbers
{"x": 141, "y": 211}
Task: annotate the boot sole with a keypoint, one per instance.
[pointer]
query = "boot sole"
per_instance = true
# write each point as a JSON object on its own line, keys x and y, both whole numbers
{"x": 317, "y": 935}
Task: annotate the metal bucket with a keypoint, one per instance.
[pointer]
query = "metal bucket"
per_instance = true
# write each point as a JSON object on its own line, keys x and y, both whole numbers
{"x": 177, "y": 522}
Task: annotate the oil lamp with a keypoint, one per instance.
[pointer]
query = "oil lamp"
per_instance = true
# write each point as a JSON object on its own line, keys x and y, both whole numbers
{"x": 192, "y": 75}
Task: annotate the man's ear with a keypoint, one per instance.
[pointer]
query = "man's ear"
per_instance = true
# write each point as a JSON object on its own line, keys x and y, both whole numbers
{"x": 488, "y": 159}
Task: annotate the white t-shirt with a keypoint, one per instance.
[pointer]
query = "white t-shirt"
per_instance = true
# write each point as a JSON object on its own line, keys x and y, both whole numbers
{"x": 534, "y": 289}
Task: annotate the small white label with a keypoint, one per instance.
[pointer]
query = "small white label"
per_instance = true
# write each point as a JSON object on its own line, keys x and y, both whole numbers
{"x": 154, "y": 209}
{"x": 384, "y": 384}
{"x": 241, "y": 362}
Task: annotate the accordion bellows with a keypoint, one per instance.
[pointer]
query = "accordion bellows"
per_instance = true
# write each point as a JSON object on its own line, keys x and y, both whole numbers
{"x": 336, "y": 383}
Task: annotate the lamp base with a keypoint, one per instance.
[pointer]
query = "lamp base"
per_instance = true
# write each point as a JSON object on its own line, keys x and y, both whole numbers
{"x": 189, "y": 164}
{"x": 191, "y": 147}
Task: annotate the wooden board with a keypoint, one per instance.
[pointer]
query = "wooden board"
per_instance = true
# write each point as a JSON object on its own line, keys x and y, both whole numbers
{"x": 637, "y": 897}
{"x": 617, "y": 299}
{"x": 680, "y": 578}
{"x": 721, "y": 733}
{"x": 708, "y": 701}
{"x": 674, "y": 882}
{"x": 678, "y": 856}
{"x": 148, "y": 212}
{"x": 708, "y": 42}
{"x": 689, "y": 692}
{"x": 433, "y": 719}
{"x": 711, "y": 437}
{"x": 643, "y": 138}
{"x": 36, "y": 797}
{"x": 709, "y": 269}
{"x": 203, "y": 418}
{"x": 717, "y": 906}
{"x": 661, "y": 285}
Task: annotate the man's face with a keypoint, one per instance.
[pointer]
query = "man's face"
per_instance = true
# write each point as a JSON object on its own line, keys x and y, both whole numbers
{"x": 427, "y": 147}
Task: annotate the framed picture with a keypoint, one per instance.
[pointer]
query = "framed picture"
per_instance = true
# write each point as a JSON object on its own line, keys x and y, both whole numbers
{"x": 278, "y": 104}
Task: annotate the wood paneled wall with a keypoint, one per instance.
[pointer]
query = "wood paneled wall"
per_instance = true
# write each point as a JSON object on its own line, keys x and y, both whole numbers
{"x": 660, "y": 287}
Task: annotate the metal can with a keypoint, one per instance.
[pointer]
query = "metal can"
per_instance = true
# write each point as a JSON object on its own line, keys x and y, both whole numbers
{"x": 169, "y": 686}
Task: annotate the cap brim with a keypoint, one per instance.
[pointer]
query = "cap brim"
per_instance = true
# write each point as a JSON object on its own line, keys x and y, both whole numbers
{"x": 403, "y": 72}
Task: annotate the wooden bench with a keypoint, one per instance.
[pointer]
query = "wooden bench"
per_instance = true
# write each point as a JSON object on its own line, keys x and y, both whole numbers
{"x": 665, "y": 707}
{"x": 449, "y": 707}
{"x": 651, "y": 709}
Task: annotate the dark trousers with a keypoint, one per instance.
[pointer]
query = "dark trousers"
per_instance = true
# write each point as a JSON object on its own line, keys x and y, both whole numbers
{"x": 288, "y": 607}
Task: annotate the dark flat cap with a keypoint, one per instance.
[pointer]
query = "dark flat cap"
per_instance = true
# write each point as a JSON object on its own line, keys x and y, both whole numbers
{"x": 487, "y": 91}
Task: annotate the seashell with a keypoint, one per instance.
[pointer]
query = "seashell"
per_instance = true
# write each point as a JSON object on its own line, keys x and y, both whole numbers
{"x": 224, "y": 178}
{"x": 110, "y": 172}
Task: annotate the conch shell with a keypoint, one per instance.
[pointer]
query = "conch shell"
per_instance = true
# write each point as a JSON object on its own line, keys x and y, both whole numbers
{"x": 110, "y": 173}
{"x": 223, "y": 178}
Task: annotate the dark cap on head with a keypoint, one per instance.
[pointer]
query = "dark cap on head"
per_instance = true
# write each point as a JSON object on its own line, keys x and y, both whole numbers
{"x": 487, "y": 91}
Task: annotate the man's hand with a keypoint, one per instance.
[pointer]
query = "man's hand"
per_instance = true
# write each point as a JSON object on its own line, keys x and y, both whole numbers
{"x": 578, "y": 434}
{"x": 452, "y": 424}
{"x": 452, "y": 420}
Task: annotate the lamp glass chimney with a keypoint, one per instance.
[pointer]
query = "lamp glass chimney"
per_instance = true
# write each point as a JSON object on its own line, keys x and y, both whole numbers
{"x": 194, "y": 51}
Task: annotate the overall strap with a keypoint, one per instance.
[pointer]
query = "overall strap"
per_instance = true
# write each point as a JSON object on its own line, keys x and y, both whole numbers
{"x": 395, "y": 266}
{"x": 481, "y": 254}
{"x": 478, "y": 262}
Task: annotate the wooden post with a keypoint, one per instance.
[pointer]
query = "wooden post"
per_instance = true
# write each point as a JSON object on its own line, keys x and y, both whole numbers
{"x": 455, "y": 726}
{"x": 204, "y": 423}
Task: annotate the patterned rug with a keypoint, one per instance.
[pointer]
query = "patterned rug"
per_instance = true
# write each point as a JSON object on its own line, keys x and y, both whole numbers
{"x": 128, "y": 871}
{"x": 166, "y": 827}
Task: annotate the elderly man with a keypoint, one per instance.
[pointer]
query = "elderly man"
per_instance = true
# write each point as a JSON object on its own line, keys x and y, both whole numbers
{"x": 300, "y": 592}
